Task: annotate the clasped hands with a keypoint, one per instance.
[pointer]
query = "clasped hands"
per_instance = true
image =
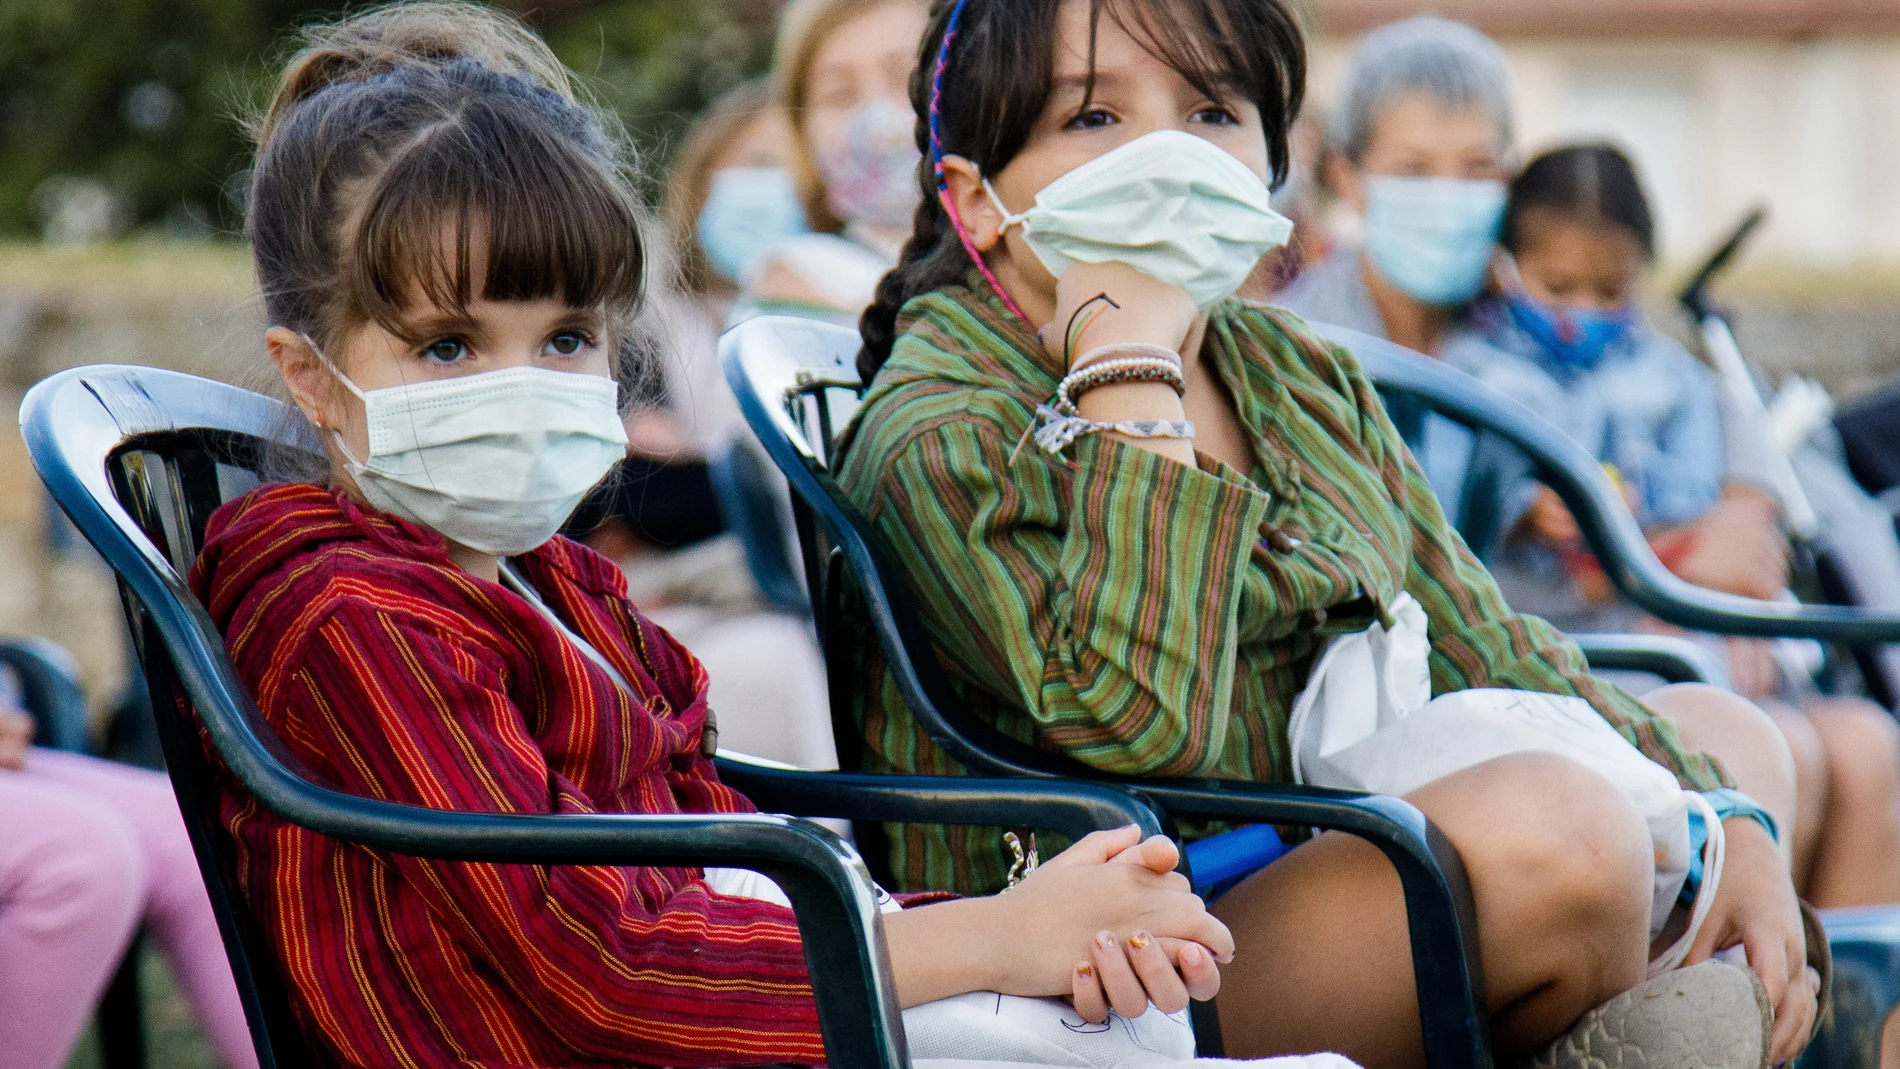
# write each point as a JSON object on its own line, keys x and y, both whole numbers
{"x": 1112, "y": 924}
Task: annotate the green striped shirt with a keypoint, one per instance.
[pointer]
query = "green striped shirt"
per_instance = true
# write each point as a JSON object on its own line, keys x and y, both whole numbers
{"x": 1132, "y": 611}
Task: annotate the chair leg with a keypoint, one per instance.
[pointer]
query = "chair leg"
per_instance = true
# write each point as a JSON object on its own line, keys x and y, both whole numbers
{"x": 121, "y": 1015}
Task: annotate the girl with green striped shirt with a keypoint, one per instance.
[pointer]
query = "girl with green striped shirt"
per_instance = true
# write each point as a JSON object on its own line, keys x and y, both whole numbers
{"x": 1133, "y": 511}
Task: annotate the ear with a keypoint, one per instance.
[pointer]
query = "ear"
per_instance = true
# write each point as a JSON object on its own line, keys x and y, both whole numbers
{"x": 304, "y": 375}
{"x": 981, "y": 221}
{"x": 1346, "y": 180}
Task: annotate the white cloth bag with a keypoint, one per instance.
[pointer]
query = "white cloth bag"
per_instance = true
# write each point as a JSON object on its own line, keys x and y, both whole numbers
{"x": 1367, "y": 721}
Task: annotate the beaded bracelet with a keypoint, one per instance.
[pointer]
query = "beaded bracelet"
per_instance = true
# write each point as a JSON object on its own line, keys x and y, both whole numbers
{"x": 1118, "y": 370}
{"x": 1128, "y": 348}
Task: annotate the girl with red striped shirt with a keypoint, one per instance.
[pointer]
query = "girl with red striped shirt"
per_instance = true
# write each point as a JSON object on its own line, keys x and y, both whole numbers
{"x": 451, "y": 257}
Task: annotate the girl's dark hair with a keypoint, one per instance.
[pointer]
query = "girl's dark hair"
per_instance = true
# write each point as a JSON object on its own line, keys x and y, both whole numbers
{"x": 997, "y": 81}
{"x": 411, "y": 146}
{"x": 1594, "y": 184}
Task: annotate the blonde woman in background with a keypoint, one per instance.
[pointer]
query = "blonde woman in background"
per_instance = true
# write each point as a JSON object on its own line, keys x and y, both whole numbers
{"x": 842, "y": 71}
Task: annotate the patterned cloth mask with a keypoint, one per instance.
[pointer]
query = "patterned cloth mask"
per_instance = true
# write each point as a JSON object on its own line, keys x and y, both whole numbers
{"x": 870, "y": 171}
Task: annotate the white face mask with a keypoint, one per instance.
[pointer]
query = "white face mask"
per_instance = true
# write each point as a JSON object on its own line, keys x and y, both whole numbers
{"x": 496, "y": 461}
{"x": 1173, "y": 206}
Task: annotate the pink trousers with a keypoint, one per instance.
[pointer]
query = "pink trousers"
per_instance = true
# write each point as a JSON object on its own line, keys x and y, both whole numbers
{"x": 90, "y": 853}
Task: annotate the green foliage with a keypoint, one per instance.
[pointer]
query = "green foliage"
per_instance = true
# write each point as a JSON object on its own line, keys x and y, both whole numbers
{"x": 142, "y": 95}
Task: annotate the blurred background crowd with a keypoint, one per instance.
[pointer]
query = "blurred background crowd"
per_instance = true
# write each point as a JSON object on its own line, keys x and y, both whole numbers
{"x": 778, "y": 141}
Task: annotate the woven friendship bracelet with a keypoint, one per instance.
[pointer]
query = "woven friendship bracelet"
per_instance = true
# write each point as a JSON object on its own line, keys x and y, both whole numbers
{"x": 1055, "y": 431}
{"x": 1119, "y": 370}
{"x": 1124, "y": 348}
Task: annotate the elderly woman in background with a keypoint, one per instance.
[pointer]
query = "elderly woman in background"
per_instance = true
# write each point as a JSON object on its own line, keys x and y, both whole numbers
{"x": 1420, "y": 148}
{"x": 842, "y": 70}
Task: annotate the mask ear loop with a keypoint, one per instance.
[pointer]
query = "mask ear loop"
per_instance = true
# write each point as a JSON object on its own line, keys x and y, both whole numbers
{"x": 936, "y": 159}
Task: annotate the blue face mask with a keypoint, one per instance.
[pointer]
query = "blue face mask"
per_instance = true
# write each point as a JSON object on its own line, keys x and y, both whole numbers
{"x": 1433, "y": 237}
{"x": 748, "y": 210}
{"x": 1576, "y": 338}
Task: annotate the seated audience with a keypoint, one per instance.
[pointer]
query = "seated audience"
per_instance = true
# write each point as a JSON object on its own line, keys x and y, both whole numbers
{"x": 1575, "y": 345}
{"x": 91, "y": 854}
{"x": 454, "y": 330}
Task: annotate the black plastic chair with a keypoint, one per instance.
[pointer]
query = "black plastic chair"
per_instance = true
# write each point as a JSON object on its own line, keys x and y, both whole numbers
{"x": 139, "y": 458}
{"x": 780, "y": 368}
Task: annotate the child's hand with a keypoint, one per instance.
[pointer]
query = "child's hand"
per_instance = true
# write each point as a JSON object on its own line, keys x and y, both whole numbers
{"x": 1151, "y": 311}
{"x": 1110, "y": 923}
{"x": 1550, "y": 522}
{"x": 1126, "y": 977}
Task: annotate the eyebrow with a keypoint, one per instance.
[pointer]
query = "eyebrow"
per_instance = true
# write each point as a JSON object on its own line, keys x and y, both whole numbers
{"x": 439, "y": 323}
{"x": 1100, "y": 78}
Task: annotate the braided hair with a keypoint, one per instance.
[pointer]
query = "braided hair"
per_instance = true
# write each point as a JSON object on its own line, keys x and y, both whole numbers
{"x": 983, "y": 79}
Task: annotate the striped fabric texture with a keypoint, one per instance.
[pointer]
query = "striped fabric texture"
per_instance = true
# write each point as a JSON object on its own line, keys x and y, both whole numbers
{"x": 391, "y": 673}
{"x": 1147, "y": 617}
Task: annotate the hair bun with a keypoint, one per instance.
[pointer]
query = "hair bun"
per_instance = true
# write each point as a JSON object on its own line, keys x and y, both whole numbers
{"x": 413, "y": 33}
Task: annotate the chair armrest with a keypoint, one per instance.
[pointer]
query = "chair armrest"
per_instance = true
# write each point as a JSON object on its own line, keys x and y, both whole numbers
{"x": 830, "y": 890}
{"x": 1676, "y": 660}
{"x": 49, "y": 685}
{"x": 1071, "y": 808}
{"x": 1438, "y": 907}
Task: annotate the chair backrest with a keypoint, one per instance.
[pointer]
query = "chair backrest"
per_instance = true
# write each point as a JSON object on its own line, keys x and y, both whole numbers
{"x": 139, "y": 459}
{"x": 1608, "y": 527}
{"x": 49, "y": 691}
{"x": 150, "y": 480}
{"x": 797, "y": 384}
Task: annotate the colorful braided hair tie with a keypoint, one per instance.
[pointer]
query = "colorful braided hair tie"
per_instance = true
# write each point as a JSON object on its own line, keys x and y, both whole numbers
{"x": 936, "y": 157}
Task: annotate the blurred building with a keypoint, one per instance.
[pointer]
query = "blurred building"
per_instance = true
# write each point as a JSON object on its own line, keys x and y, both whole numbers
{"x": 1724, "y": 104}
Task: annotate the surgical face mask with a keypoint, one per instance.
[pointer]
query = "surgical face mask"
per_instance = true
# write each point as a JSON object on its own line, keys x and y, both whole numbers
{"x": 748, "y": 210}
{"x": 1171, "y": 205}
{"x": 870, "y": 171}
{"x": 1576, "y": 338}
{"x": 496, "y": 461}
{"x": 1433, "y": 237}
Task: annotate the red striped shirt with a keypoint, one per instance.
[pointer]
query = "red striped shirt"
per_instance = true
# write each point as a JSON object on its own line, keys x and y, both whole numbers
{"x": 390, "y": 672}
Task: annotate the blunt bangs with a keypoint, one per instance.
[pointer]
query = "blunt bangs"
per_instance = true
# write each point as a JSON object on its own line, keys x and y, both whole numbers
{"x": 492, "y": 190}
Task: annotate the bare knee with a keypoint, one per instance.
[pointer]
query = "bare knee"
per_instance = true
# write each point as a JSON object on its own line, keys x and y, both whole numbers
{"x": 1861, "y": 747}
{"x": 1742, "y": 738}
{"x": 82, "y": 869}
{"x": 1805, "y": 747}
{"x": 1565, "y": 860}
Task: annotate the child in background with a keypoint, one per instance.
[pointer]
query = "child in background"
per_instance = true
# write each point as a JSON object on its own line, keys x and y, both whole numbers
{"x": 1580, "y": 239}
{"x": 729, "y": 199}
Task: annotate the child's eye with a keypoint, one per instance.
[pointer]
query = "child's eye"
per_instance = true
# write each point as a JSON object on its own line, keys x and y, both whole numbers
{"x": 1095, "y": 118}
{"x": 1215, "y": 115}
{"x": 568, "y": 343}
{"x": 445, "y": 350}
